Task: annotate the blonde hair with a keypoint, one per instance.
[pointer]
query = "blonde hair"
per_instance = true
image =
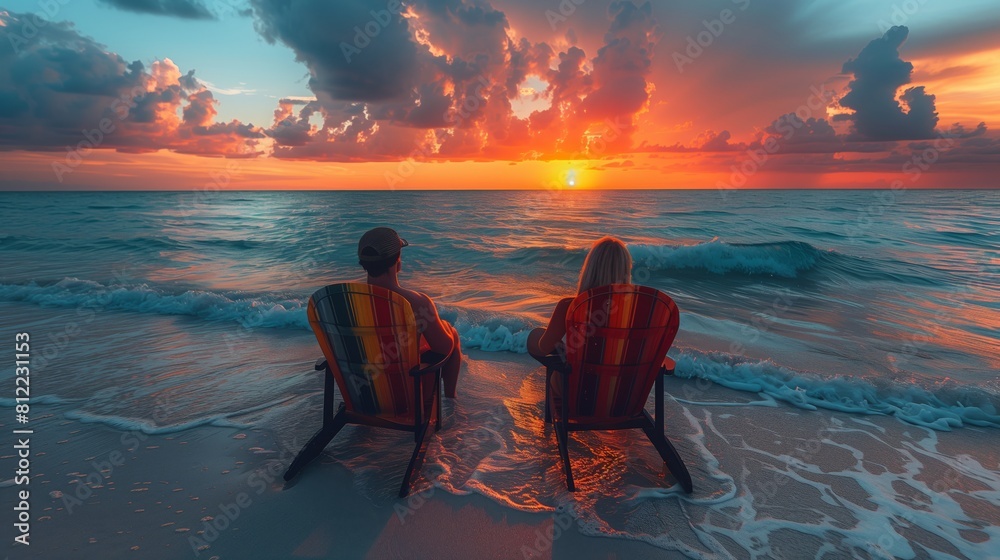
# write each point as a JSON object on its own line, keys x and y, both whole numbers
{"x": 608, "y": 262}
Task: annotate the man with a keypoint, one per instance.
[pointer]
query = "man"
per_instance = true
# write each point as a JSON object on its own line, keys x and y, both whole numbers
{"x": 379, "y": 253}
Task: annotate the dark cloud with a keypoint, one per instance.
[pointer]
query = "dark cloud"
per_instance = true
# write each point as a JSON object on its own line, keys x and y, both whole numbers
{"x": 448, "y": 71}
{"x": 186, "y": 9}
{"x": 790, "y": 134}
{"x": 61, "y": 91}
{"x": 879, "y": 73}
{"x": 354, "y": 50}
{"x": 791, "y": 128}
{"x": 149, "y": 105}
{"x": 879, "y": 121}
{"x": 717, "y": 142}
{"x": 958, "y": 130}
{"x": 292, "y": 129}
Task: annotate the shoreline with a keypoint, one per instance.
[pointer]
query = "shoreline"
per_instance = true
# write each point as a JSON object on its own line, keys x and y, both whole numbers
{"x": 794, "y": 482}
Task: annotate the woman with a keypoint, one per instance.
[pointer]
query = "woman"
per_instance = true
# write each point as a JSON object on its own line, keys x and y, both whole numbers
{"x": 608, "y": 262}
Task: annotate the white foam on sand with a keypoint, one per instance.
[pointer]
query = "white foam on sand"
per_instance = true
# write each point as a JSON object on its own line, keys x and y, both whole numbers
{"x": 767, "y": 475}
{"x": 783, "y": 460}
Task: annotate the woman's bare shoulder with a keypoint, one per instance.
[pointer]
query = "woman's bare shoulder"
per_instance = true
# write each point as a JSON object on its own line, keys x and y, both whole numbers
{"x": 562, "y": 307}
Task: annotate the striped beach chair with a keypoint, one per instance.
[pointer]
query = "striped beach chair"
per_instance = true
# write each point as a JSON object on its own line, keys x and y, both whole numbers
{"x": 615, "y": 352}
{"x": 371, "y": 354}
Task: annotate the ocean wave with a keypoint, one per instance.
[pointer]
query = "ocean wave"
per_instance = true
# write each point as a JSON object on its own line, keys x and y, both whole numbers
{"x": 164, "y": 242}
{"x": 553, "y": 256}
{"x": 143, "y": 244}
{"x": 492, "y": 334}
{"x": 213, "y": 306}
{"x": 110, "y": 207}
{"x": 779, "y": 259}
{"x": 239, "y": 244}
{"x": 133, "y": 243}
{"x": 25, "y": 243}
{"x": 786, "y": 259}
{"x": 940, "y": 408}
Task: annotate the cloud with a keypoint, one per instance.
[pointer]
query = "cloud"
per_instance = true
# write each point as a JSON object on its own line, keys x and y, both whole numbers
{"x": 791, "y": 128}
{"x": 618, "y": 164}
{"x": 958, "y": 130}
{"x": 437, "y": 80}
{"x": 186, "y": 9}
{"x": 708, "y": 141}
{"x": 712, "y": 142}
{"x": 228, "y": 91}
{"x": 61, "y": 91}
{"x": 290, "y": 129}
{"x": 622, "y": 68}
{"x": 879, "y": 73}
{"x": 345, "y": 62}
{"x": 440, "y": 80}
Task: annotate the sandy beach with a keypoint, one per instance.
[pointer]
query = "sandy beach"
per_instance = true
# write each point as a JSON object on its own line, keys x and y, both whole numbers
{"x": 771, "y": 481}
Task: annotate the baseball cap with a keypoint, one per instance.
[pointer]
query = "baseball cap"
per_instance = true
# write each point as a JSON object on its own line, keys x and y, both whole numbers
{"x": 379, "y": 244}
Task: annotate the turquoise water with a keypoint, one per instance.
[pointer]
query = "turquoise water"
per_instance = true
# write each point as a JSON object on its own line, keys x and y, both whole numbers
{"x": 874, "y": 302}
{"x": 856, "y": 328}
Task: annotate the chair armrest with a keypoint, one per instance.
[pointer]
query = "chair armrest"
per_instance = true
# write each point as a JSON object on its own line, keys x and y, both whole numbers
{"x": 417, "y": 371}
{"x": 553, "y": 362}
{"x": 320, "y": 364}
{"x": 668, "y": 366}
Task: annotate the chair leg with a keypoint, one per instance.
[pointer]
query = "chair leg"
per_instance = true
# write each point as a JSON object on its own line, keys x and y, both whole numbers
{"x": 318, "y": 442}
{"x": 562, "y": 436}
{"x": 415, "y": 460}
{"x": 654, "y": 431}
{"x": 548, "y": 407}
{"x": 437, "y": 400}
{"x": 670, "y": 457}
{"x": 564, "y": 428}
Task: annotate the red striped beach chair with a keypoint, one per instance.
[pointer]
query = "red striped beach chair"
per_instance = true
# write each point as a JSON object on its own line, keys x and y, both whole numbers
{"x": 616, "y": 345}
{"x": 370, "y": 353}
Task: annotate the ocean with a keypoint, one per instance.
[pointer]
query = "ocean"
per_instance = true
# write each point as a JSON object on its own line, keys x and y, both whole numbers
{"x": 164, "y": 311}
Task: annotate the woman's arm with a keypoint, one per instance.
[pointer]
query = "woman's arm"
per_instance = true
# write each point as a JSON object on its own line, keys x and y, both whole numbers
{"x": 542, "y": 342}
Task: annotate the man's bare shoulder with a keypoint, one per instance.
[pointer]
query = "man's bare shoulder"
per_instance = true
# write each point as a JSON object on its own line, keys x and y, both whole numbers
{"x": 420, "y": 302}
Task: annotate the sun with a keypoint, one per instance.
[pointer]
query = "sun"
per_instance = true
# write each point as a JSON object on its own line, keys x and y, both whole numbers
{"x": 571, "y": 179}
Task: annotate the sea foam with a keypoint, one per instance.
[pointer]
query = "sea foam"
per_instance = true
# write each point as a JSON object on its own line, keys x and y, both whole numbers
{"x": 940, "y": 408}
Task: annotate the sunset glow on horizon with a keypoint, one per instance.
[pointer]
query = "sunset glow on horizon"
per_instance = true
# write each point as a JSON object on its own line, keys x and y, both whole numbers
{"x": 508, "y": 94}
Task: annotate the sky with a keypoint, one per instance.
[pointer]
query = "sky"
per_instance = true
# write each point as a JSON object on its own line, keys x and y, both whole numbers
{"x": 466, "y": 94}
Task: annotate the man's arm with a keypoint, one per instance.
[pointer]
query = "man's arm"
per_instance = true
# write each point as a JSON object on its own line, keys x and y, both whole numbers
{"x": 435, "y": 331}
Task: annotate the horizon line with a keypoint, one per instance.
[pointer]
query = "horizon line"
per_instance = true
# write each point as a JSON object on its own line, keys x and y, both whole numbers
{"x": 431, "y": 189}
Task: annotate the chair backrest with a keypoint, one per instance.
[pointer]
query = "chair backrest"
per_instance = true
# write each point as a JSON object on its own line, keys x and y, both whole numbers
{"x": 616, "y": 339}
{"x": 369, "y": 337}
